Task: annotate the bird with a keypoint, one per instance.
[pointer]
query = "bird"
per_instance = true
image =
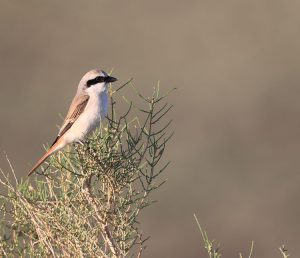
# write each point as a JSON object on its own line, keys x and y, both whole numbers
{"x": 87, "y": 110}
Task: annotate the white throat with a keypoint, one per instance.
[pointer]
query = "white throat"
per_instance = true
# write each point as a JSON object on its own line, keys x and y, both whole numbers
{"x": 97, "y": 89}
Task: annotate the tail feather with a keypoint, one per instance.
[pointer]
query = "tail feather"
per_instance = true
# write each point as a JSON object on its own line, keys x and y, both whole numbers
{"x": 53, "y": 149}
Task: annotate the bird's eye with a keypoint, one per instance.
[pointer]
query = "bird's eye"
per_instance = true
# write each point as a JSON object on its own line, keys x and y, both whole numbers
{"x": 94, "y": 81}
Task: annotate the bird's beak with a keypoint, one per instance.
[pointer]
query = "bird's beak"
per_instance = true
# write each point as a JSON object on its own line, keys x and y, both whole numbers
{"x": 110, "y": 79}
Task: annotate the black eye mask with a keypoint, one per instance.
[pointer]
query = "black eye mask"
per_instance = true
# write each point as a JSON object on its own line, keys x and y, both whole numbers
{"x": 94, "y": 81}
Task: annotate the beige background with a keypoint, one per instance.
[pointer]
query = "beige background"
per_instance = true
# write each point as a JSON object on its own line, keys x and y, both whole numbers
{"x": 236, "y": 66}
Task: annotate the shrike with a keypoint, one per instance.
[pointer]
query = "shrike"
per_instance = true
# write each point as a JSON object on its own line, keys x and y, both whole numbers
{"x": 87, "y": 109}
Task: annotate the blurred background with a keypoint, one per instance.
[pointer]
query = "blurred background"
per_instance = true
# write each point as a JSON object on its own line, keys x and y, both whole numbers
{"x": 236, "y": 65}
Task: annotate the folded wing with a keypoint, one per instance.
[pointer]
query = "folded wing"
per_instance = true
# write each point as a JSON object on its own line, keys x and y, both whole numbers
{"x": 76, "y": 109}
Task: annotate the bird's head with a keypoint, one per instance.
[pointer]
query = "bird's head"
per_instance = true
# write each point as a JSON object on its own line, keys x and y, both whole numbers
{"x": 95, "y": 81}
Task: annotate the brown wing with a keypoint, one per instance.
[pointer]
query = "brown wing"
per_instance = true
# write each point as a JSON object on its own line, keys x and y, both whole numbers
{"x": 77, "y": 107}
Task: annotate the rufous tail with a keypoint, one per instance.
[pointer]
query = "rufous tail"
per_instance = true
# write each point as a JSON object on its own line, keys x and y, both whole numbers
{"x": 54, "y": 148}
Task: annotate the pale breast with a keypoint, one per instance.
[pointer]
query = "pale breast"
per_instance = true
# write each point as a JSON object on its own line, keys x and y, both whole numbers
{"x": 90, "y": 119}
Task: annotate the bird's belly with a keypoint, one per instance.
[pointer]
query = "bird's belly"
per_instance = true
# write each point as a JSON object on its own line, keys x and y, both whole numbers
{"x": 88, "y": 120}
{"x": 86, "y": 123}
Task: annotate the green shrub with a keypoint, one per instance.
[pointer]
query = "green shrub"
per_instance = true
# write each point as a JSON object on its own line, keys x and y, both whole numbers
{"x": 89, "y": 198}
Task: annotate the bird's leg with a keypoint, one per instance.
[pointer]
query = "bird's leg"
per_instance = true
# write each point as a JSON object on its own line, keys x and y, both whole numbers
{"x": 80, "y": 142}
{"x": 84, "y": 144}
